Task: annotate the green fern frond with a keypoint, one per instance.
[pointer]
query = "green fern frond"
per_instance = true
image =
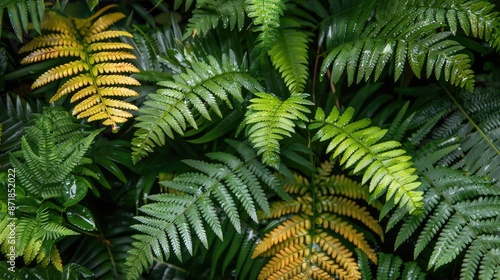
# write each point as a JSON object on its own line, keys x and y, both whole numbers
{"x": 270, "y": 119}
{"x": 316, "y": 242}
{"x": 459, "y": 210}
{"x": 389, "y": 267}
{"x": 266, "y": 17}
{"x": 45, "y": 159}
{"x": 289, "y": 55}
{"x": 88, "y": 40}
{"x": 23, "y": 15}
{"x": 196, "y": 93}
{"x": 474, "y": 18}
{"x": 230, "y": 181}
{"x": 208, "y": 14}
{"x": 387, "y": 168}
{"x": 368, "y": 48}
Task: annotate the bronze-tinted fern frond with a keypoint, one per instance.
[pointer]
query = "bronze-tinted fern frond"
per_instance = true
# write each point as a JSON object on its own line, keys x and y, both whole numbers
{"x": 315, "y": 236}
{"x": 98, "y": 72}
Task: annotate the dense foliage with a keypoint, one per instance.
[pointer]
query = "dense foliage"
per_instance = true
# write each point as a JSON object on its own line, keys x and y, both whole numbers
{"x": 250, "y": 139}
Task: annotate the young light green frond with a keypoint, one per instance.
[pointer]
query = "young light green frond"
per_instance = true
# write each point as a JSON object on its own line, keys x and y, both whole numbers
{"x": 200, "y": 198}
{"x": 289, "y": 56}
{"x": 266, "y": 17}
{"x": 196, "y": 93}
{"x": 208, "y": 14}
{"x": 270, "y": 119}
{"x": 386, "y": 167}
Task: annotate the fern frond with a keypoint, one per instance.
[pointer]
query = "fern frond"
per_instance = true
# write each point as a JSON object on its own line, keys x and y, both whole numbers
{"x": 387, "y": 168}
{"x": 290, "y": 57}
{"x": 83, "y": 39}
{"x": 371, "y": 45}
{"x": 389, "y": 267}
{"x": 196, "y": 93}
{"x": 315, "y": 241}
{"x": 460, "y": 210}
{"x": 208, "y": 14}
{"x": 270, "y": 119}
{"x": 266, "y": 17}
{"x": 229, "y": 181}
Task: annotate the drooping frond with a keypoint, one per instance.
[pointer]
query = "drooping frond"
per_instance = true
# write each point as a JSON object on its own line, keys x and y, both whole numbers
{"x": 367, "y": 48}
{"x": 208, "y": 14}
{"x": 309, "y": 242}
{"x": 474, "y": 18}
{"x": 290, "y": 57}
{"x": 196, "y": 93}
{"x": 195, "y": 204}
{"x": 270, "y": 119}
{"x": 89, "y": 41}
{"x": 266, "y": 17}
{"x": 387, "y": 167}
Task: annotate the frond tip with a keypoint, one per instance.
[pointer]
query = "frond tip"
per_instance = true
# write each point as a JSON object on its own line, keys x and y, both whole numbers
{"x": 270, "y": 119}
{"x": 386, "y": 167}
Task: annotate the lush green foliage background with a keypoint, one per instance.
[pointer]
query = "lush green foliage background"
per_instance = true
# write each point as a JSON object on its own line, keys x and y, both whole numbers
{"x": 251, "y": 139}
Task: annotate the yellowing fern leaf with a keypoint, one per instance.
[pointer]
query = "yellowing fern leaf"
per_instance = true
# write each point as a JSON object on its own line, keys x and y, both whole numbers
{"x": 92, "y": 75}
{"x": 316, "y": 238}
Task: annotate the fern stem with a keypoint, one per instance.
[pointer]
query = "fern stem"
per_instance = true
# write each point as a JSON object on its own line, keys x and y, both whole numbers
{"x": 315, "y": 75}
{"x": 332, "y": 87}
{"x": 461, "y": 109}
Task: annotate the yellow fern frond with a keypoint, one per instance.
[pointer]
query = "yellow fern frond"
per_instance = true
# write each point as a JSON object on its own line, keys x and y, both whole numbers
{"x": 53, "y": 21}
{"x": 55, "y": 258}
{"x": 323, "y": 213}
{"x": 119, "y": 104}
{"x": 54, "y": 52}
{"x": 114, "y": 119}
{"x": 84, "y": 93}
{"x": 72, "y": 85}
{"x": 328, "y": 265}
{"x": 117, "y": 91}
{"x": 108, "y": 35}
{"x": 339, "y": 253}
{"x": 114, "y": 68}
{"x": 58, "y": 72}
{"x": 86, "y": 104}
{"x": 116, "y": 79}
{"x": 284, "y": 231}
{"x": 299, "y": 205}
{"x": 32, "y": 249}
{"x": 51, "y": 40}
{"x": 330, "y": 221}
{"x": 108, "y": 56}
{"x": 91, "y": 43}
{"x": 350, "y": 208}
{"x": 286, "y": 258}
{"x": 100, "y": 46}
{"x": 104, "y": 22}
